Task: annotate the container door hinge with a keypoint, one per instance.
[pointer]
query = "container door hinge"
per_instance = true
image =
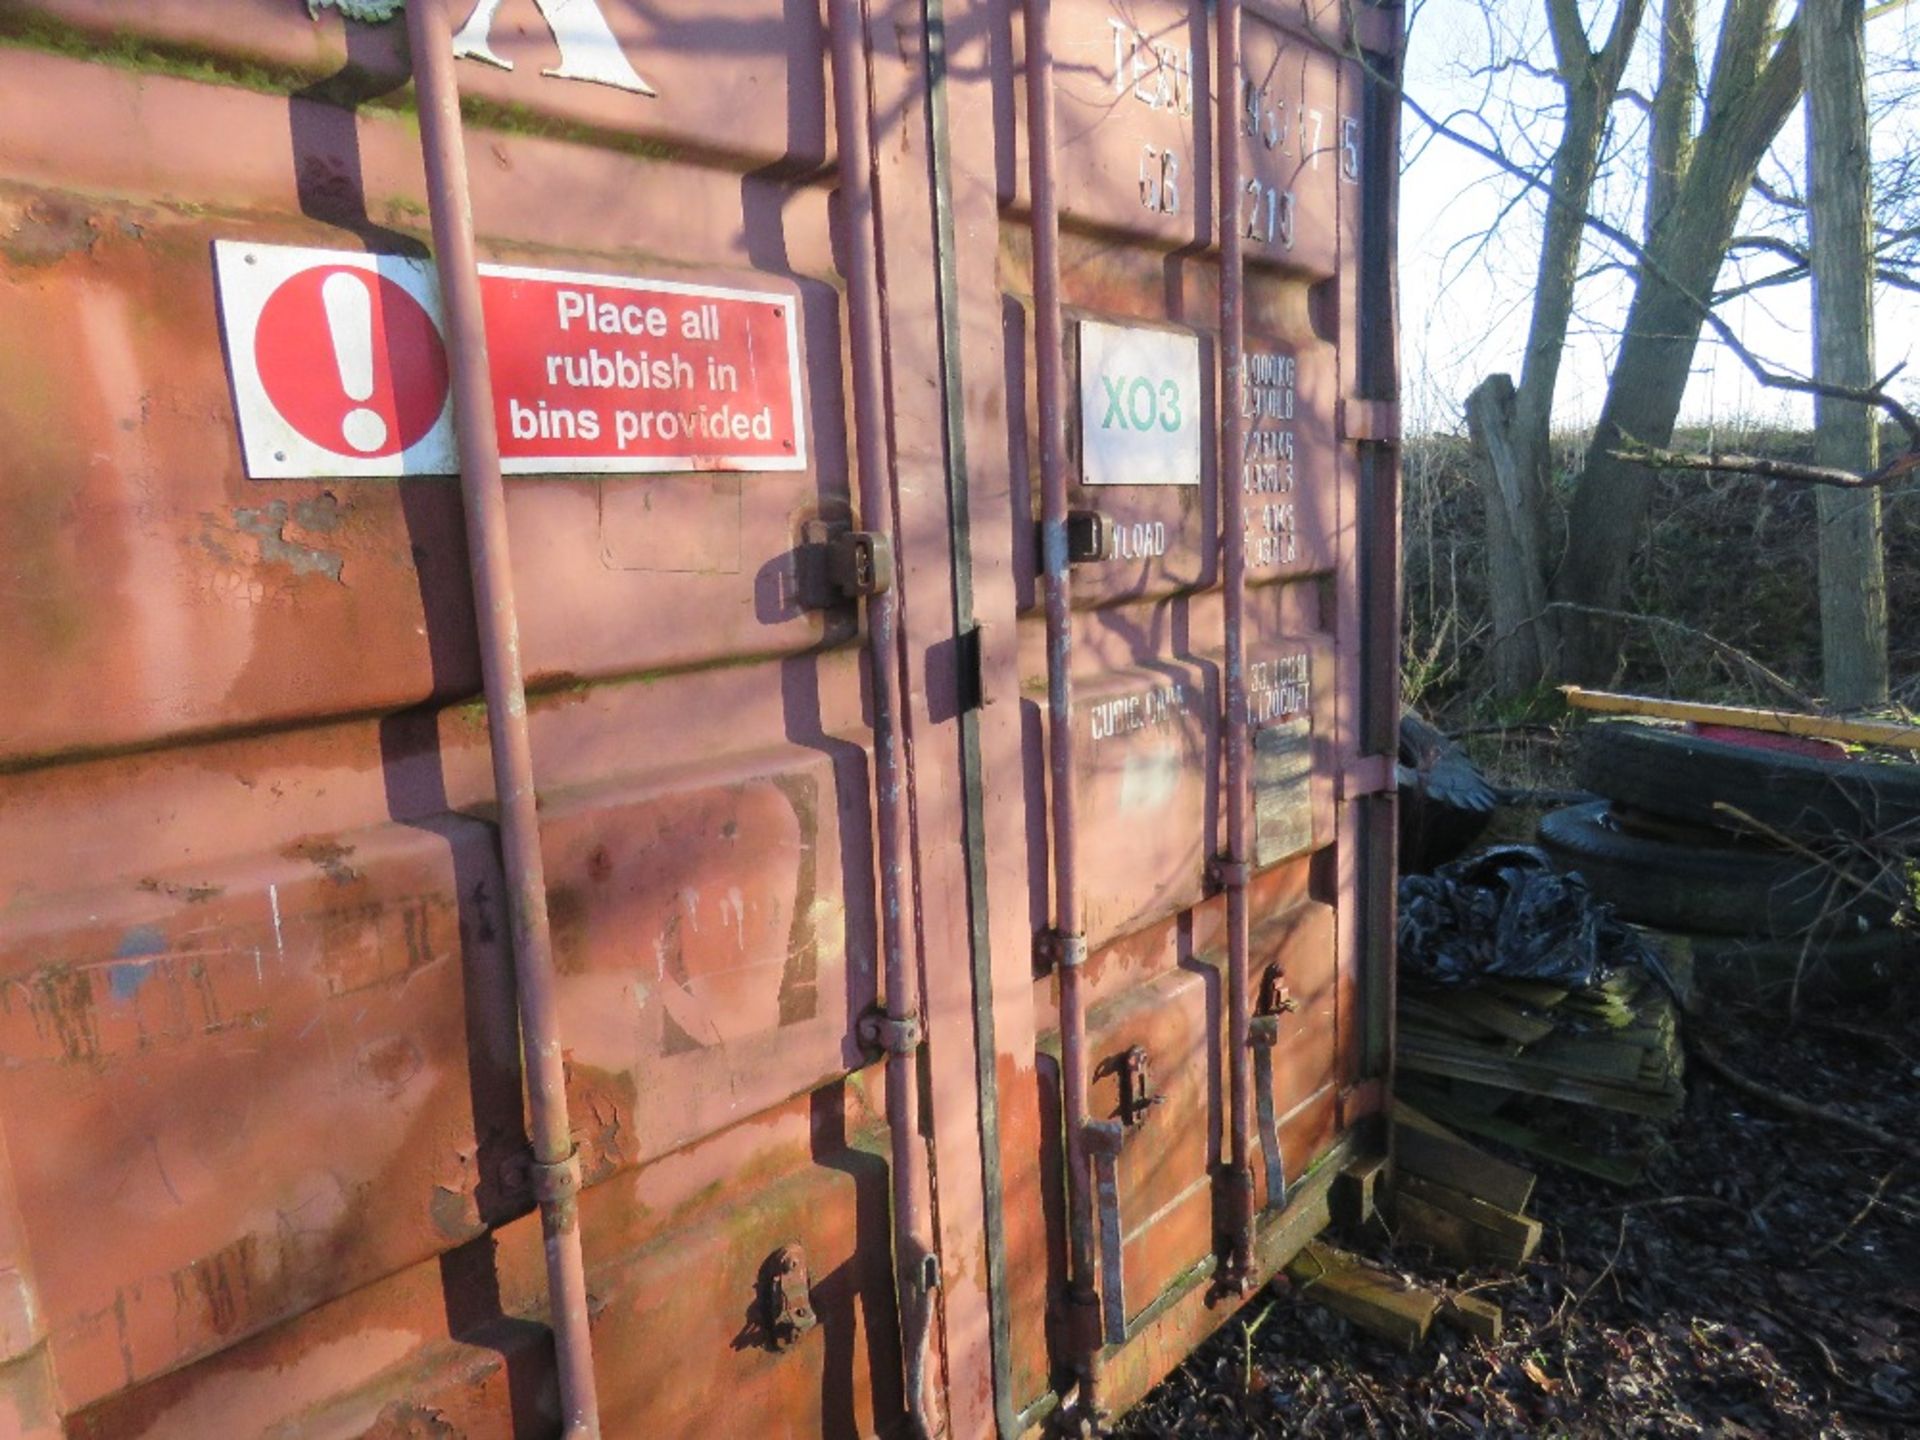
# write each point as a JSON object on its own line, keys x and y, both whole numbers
{"x": 1224, "y": 873}
{"x": 883, "y": 1034}
{"x": 1054, "y": 951}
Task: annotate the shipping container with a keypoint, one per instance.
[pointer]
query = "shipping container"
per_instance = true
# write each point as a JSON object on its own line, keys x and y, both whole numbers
{"x": 850, "y": 893}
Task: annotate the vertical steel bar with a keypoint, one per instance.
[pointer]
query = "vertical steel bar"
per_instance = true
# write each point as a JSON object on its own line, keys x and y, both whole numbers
{"x": 1057, "y": 579}
{"x": 1237, "y": 1189}
{"x": 556, "y": 1164}
{"x": 912, "y": 1250}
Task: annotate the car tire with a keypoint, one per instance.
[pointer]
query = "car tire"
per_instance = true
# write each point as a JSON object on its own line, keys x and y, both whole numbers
{"x": 1733, "y": 889}
{"x": 1685, "y": 777}
{"x": 1861, "y": 963}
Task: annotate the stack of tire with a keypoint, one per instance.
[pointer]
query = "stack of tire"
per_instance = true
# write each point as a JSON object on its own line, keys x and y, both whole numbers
{"x": 1742, "y": 834}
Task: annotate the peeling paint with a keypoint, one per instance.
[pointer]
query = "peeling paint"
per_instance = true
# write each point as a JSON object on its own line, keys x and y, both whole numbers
{"x": 268, "y": 525}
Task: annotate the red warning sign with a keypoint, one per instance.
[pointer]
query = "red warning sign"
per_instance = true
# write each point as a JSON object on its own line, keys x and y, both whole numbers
{"x": 338, "y": 362}
{"x": 601, "y": 374}
{"x": 387, "y": 396}
{"x": 339, "y": 368}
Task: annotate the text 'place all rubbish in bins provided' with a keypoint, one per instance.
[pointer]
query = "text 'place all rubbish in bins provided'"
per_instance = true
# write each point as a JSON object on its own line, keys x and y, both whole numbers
{"x": 339, "y": 368}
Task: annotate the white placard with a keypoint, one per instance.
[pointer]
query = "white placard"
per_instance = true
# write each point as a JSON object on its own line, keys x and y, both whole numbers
{"x": 338, "y": 362}
{"x": 1140, "y": 410}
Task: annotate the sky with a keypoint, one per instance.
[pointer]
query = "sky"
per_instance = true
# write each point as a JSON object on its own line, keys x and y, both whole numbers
{"x": 1464, "y": 304}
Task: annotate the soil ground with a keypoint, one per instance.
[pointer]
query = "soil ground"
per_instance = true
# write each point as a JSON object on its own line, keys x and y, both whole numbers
{"x": 1762, "y": 1280}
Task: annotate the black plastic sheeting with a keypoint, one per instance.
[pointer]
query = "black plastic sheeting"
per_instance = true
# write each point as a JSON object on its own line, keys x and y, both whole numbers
{"x": 1507, "y": 913}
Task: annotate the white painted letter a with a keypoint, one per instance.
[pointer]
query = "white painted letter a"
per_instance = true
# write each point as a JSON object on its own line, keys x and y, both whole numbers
{"x": 588, "y": 50}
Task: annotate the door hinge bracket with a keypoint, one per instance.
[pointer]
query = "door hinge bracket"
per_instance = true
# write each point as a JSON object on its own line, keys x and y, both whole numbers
{"x": 1055, "y": 951}
{"x": 1226, "y": 874}
{"x": 786, "y": 1297}
{"x": 883, "y": 1034}
{"x": 1137, "y": 1095}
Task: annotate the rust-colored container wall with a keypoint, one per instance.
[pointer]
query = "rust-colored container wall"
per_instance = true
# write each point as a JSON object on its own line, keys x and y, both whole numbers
{"x": 946, "y": 1013}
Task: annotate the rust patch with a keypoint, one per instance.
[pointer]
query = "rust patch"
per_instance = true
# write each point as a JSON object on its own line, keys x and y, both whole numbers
{"x": 601, "y": 1103}
{"x": 191, "y": 894}
{"x": 268, "y": 525}
{"x": 388, "y": 1064}
{"x": 408, "y": 1420}
{"x": 329, "y": 855}
{"x": 47, "y": 230}
{"x": 567, "y": 919}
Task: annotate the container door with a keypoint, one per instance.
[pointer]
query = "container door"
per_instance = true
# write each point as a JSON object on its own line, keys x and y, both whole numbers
{"x": 1135, "y": 173}
{"x": 265, "y": 1164}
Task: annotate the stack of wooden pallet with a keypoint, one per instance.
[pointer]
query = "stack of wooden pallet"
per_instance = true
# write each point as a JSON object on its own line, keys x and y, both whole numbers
{"x": 1448, "y": 1196}
{"x": 1455, "y": 1197}
{"x": 1501, "y": 1058}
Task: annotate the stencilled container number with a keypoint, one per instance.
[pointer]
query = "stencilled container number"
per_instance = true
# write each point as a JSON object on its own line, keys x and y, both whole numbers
{"x": 1298, "y": 145}
{"x": 1268, "y": 213}
{"x": 1160, "y": 77}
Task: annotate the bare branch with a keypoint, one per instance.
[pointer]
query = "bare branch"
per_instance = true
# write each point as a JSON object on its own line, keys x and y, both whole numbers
{"x": 1720, "y": 647}
{"x": 1759, "y": 369}
{"x": 1893, "y": 276}
{"x": 1634, "y": 98}
{"x": 1730, "y": 462}
{"x": 1769, "y": 243}
{"x": 1520, "y": 64}
{"x": 1789, "y": 276}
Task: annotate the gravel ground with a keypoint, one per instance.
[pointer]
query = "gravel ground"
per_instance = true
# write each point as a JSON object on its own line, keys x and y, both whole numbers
{"x": 1763, "y": 1280}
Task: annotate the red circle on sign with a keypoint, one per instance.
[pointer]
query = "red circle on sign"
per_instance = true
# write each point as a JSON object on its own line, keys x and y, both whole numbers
{"x": 351, "y": 361}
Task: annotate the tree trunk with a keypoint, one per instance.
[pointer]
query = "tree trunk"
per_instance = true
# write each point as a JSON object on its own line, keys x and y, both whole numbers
{"x": 1643, "y": 401}
{"x": 1753, "y": 86}
{"x": 1516, "y": 562}
{"x": 1512, "y": 428}
{"x": 1853, "y": 582}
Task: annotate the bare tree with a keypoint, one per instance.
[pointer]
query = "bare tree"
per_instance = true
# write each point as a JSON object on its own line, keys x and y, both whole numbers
{"x": 1686, "y": 157}
{"x": 1511, "y": 426}
{"x": 1751, "y": 88}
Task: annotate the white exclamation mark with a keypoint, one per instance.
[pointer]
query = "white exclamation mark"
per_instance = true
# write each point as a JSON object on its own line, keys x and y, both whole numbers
{"x": 350, "y": 317}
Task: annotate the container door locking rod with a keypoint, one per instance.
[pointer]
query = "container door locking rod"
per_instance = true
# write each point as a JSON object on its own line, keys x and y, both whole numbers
{"x": 556, "y": 1164}
{"x": 896, "y": 1030}
{"x": 1235, "y": 1192}
{"x": 1066, "y": 943}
